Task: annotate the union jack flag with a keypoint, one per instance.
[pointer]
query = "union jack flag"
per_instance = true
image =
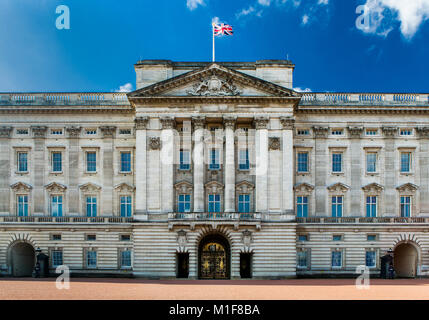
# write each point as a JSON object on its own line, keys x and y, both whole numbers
{"x": 222, "y": 29}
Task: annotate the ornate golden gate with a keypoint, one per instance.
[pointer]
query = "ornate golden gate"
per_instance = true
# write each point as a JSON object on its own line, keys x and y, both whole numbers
{"x": 213, "y": 261}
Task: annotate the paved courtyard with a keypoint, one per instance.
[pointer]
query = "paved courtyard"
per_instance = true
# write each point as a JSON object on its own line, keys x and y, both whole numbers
{"x": 330, "y": 289}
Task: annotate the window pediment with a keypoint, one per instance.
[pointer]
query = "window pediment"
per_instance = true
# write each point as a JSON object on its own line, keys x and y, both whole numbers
{"x": 90, "y": 187}
{"x": 214, "y": 187}
{"x": 407, "y": 187}
{"x": 373, "y": 187}
{"x": 55, "y": 187}
{"x": 304, "y": 187}
{"x": 338, "y": 187}
{"x": 21, "y": 186}
{"x": 124, "y": 187}
{"x": 183, "y": 187}
{"x": 244, "y": 187}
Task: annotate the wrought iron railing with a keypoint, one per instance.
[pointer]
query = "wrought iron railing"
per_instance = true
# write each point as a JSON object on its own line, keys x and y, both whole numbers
{"x": 363, "y": 220}
{"x": 79, "y": 219}
{"x": 215, "y": 216}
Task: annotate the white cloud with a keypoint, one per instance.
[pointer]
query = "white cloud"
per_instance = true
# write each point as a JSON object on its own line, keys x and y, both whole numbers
{"x": 384, "y": 14}
{"x": 245, "y": 12}
{"x": 193, "y": 4}
{"x": 128, "y": 87}
{"x": 303, "y": 90}
{"x": 305, "y": 19}
{"x": 323, "y": 2}
{"x": 264, "y": 2}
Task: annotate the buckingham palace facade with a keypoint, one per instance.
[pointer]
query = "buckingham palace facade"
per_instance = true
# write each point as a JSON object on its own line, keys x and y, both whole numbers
{"x": 214, "y": 171}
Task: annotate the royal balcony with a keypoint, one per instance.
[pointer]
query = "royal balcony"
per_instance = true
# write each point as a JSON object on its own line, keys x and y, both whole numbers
{"x": 50, "y": 219}
{"x": 363, "y": 220}
{"x": 214, "y": 219}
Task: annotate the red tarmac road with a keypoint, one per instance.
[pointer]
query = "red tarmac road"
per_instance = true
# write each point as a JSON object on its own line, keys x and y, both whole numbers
{"x": 139, "y": 289}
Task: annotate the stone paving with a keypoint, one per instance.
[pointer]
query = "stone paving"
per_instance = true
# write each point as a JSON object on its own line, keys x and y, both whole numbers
{"x": 136, "y": 289}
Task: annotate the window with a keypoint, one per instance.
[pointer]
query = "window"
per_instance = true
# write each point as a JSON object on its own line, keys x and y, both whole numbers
{"x": 371, "y": 237}
{"x": 56, "y": 132}
{"x": 337, "y": 259}
{"x": 370, "y": 261}
{"x": 91, "y": 206}
{"x": 303, "y": 237}
{"x": 91, "y": 259}
{"x": 301, "y": 259}
{"x": 371, "y": 206}
{"x": 22, "y": 207}
{"x": 337, "y": 206}
{"x": 405, "y": 161}
{"x": 57, "y": 162}
{"x": 214, "y": 159}
{"x": 91, "y": 237}
{"x": 302, "y": 161}
{"x": 125, "y": 161}
{"x": 22, "y": 131}
{"x": 56, "y": 237}
{"x": 337, "y": 237}
{"x": 125, "y": 237}
{"x": 57, "y": 258}
{"x": 125, "y": 206}
{"x": 303, "y": 132}
{"x": 126, "y": 259}
{"x": 337, "y": 162}
{"x": 185, "y": 160}
{"x": 125, "y": 131}
{"x": 337, "y": 132}
{"x": 91, "y": 161}
{"x": 302, "y": 207}
{"x": 57, "y": 206}
{"x": 244, "y": 203}
{"x": 243, "y": 159}
{"x": 91, "y": 132}
{"x": 371, "y": 162}
{"x": 371, "y": 132}
{"x": 214, "y": 203}
{"x": 406, "y": 132}
{"x": 405, "y": 206}
{"x": 184, "y": 203}
{"x": 22, "y": 161}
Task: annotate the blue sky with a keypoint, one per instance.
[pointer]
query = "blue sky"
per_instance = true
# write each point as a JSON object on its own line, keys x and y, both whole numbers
{"x": 387, "y": 53}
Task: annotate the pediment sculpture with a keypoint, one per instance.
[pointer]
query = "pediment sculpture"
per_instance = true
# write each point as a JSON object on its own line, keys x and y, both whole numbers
{"x": 214, "y": 86}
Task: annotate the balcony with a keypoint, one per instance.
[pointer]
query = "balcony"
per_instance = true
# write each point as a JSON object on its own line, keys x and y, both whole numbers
{"x": 361, "y": 220}
{"x": 47, "y": 219}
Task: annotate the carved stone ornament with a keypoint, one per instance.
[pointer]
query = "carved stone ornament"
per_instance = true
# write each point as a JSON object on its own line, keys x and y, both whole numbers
{"x": 320, "y": 132}
{"x": 214, "y": 86}
{"x": 389, "y": 131}
{"x": 244, "y": 187}
{"x": 183, "y": 187}
{"x": 338, "y": 187}
{"x": 73, "y": 132}
{"x": 55, "y": 187}
{"x": 287, "y": 123}
{"x": 21, "y": 186}
{"x": 141, "y": 123}
{"x": 229, "y": 122}
{"x": 198, "y": 122}
{"x": 90, "y": 187}
{"x": 423, "y": 132}
{"x": 261, "y": 122}
{"x": 124, "y": 187}
{"x": 247, "y": 238}
{"x": 155, "y": 143}
{"x": 39, "y": 131}
{"x": 181, "y": 238}
{"x": 373, "y": 188}
{"x": 168, "y": 123}
{"x": 5, "y": 132}
{"x": 355, "y": 132}
{"x": 407, "y": 187}
{"x": 304, "y": 188}
{"x": 274, "y": 143}
{"x": 108, "y": 131}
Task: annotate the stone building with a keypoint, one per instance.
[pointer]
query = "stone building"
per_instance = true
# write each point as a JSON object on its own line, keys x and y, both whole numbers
{"x": 214, "y": 170}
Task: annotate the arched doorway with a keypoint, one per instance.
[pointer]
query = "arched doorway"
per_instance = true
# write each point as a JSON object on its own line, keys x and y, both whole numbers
{"x": 22, "y": 258}
{"x": 405, "y": 258}
{"x": 214, "y": 257}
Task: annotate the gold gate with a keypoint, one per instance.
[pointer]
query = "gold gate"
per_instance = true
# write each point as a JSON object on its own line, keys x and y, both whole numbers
{"x": 213, "y": 262}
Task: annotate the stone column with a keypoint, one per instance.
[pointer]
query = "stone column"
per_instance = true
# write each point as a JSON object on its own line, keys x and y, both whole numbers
{"x": 356, "y": 170}
{"x": 5, "y": 169}
{"x": 198, "y": 157}
{"x": 261, "y": 150}
{"x": 390, "y": 191}
{"x": 229, "y": 123}
{"x": 167, "y": 159}
{"x": 73, "y": 184}
{"x": 288, "y": 171}
{"x": 321, "y": 169}
{"x": 423, "y": 133}
{"x": 39, "y": 133}
{"x": 141, "y": 165}
{"x": 106, "y": 201}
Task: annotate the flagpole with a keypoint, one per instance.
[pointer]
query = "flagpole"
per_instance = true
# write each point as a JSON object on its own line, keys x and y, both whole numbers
{"x": 213, "y": 42}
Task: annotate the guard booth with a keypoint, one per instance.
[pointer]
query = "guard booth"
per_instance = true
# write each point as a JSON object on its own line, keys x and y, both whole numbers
{"x": 386, "y": 262}
{"x": 42, "y": 265}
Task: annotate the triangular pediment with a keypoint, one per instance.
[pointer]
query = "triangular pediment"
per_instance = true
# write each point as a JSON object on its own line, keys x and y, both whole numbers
{"x": 407, "y": 187}
{"x": 338, "y": 187}
{"x": 214, "y": 80}
{"x": 373, "y": 187}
